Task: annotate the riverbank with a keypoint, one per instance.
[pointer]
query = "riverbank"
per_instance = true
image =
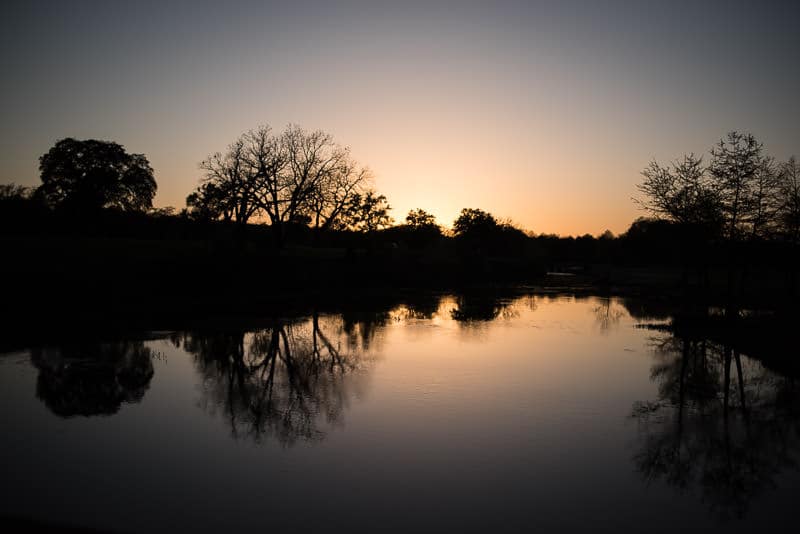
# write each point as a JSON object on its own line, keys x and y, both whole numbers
{"x": 57, "y": 279}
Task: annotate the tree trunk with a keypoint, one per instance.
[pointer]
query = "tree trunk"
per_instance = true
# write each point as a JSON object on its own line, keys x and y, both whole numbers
{"x": 278, "y": 233}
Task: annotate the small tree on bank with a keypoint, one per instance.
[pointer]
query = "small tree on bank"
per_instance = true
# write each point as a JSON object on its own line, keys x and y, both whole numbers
{"x": 743, "y": 179}
{"x": 473, "y": 222}
{"x": 420, "y": 219}
{"x": 366, "y": 213}
{"x": 480, "y": 232}
{"x": 421, "y": 229}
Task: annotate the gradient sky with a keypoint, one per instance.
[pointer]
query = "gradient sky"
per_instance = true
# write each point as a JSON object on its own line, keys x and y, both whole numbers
{"x": 542, "y": 112}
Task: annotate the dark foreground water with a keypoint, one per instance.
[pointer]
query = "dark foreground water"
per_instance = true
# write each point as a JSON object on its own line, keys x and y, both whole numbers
{"x": 449, "y": 414}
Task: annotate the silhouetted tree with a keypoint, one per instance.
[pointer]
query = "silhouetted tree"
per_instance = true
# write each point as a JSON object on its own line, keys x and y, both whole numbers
{"x": 420, "y": 230}
{"x": 298, "y": 176}
{"x": 16, "y": 202}
{"x": 650, "y": 241}
{"x": 14, "y": 193}
{"x": 742, "y": 178}
{"x": 209, "y": 202}
{"x": 228, "y": 188}
{"x": 478, "y": 233}
{"x": 607, "y": 235}
{"x": 681, "y": 193}
{"x": 338, "y": 194}
{"x": 764, "y": 202}
{"x": 737, "y": 196}
{"x": 420, "y": 218}
{"x": 293, "y": 171}
{"x": 788, "y": 201}
{"x": 473, "y": 222}
{"x": 95, "y": 174}
{"x": 366, "y": 213}
{"x": 735, "y": 199}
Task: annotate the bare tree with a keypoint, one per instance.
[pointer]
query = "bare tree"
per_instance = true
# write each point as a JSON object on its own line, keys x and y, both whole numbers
{"x": 296, "y": 176}
{"x": 336, "y": 193}
{"x": 732, "y": 198}
{"x": 267, "y": 161}
{"x": 762, "y": 207}
{"x": 788, "y": 199}
{"x": 736, "y": 162}
{"x": 311, "y": 158}
{"x": 680, "y": 193}
{"x": 735, "y": 196}
{"x": 228, "y": 189}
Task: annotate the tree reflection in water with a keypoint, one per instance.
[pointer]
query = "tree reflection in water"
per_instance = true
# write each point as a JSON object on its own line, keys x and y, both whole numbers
{"x": 723, "y": 425}
{"x": 92, "y": 378}
{"x": 472, "y": 308}
{"x": 608, "y": 314}
{"x": 287, "y": 381}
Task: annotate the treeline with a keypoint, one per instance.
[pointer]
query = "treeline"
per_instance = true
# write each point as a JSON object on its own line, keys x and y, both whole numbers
{"x": 268, "y": 194}
{"x": 741, "y": 194}
{"x": 741, "y": 209}
{"x": 475, "y": 234}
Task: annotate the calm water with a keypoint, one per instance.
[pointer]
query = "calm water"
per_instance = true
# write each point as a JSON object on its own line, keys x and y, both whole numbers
{"x": 459, "y": 414}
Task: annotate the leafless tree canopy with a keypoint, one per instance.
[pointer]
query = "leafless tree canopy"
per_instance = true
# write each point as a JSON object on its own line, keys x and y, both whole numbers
{"x": 681, "y": 192}
{"x": 741, "y": 194}
{"x": 293, "y": 176}
{"x": 788, "y": 204}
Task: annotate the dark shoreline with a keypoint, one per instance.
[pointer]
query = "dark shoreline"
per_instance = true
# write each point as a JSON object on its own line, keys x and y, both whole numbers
{"x": 79, "y": 315}
{"x": 57, "y": 286}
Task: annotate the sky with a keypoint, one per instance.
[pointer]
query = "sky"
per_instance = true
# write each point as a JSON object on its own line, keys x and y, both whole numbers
{"x": 544, "y": 113}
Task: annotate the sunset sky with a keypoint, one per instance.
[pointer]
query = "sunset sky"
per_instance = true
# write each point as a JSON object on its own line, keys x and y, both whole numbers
{"x": 542, "y": 112}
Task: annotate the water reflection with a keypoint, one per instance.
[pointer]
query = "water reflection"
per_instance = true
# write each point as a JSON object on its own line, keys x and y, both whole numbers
{"x": 423, "y": 308}
{"x": 92, "y": 378}
{"x": 723, "y": 425}
{"x": 361, "y": 326}
{"x": 287, "y": 381}
{"x": 474, "y": 308}
{"x": 718, "y": 415}
{"x": 477, "y": 308}
{"x": 608, "y": 314}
